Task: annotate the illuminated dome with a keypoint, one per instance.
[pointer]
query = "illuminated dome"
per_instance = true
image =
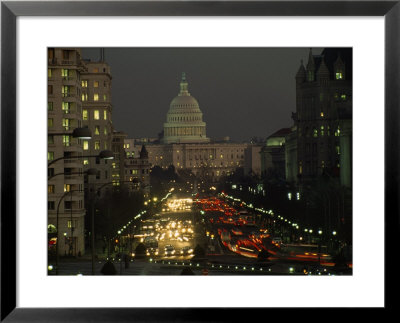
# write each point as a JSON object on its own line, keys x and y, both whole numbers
{"x": 184, "y": 119}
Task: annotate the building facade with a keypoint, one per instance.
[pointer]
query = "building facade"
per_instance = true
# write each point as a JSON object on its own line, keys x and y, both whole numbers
{"x": 66, "y": 210}
{"x": 185, "y": 144}
{"x": 97, "y": 116}
{"x": 184, "y": 119}
{"x": 118, "y": 163}
{"x": 323, "y": 117}
{"x": 272, "y": 155}
{"x": 137, "y": 171}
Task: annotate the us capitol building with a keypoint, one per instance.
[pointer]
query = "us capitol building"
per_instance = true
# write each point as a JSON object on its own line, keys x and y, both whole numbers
{"x": 185, "y": 144}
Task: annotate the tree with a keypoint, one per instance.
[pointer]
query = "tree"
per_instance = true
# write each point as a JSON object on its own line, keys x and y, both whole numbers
{"x": 140, "y": 251}
{"x": 108, "y": 269}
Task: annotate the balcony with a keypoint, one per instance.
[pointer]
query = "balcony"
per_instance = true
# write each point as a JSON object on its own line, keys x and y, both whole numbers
{"x": 68, "y": 62}
{"x": 68, "y": 95}
{"x": 69, "y": 80}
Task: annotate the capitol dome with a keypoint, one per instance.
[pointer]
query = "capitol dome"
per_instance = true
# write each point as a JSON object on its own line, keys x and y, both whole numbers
{"x": 184, "y": 119}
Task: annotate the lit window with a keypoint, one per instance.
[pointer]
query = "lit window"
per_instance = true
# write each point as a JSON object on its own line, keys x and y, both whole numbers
{"x": 96, "y": 84}
{"x": 339, "y": 75}
{"x": 105, "y": 130}
{"x": 84, "y": 83}
{"x": 96, "y": 97}
{"x": 322, "y": 114}
{"x": 65, "y": 123}
{"x": 50, "y": 122}
{"x": 85, "y": 145}
{"x": 50, "y": 189}
{"x": 97, "y": 145}
{"x": 96, "y": 130}
{"x": 66, "y": 106}
{"x": 104, "y": 97}
{"x": 84, "y": 114}
{"x": 105, "y": 114}
{"x": 322, "y": 130}
{"x": 315, "y": 132}
{"x": 84, "y": 97}
{"x": 343, "y": 97}
{"x": 67, "y": 141}
{"x": 105, "y": 145}
{"x": 49, "y": 72}
{"x": 86, "y": 161}
{"x": 50, "y": 155}
{"x": 65, "y": 90}
{"x": 64, "y": 73}
{"x": 96, "y": 115}
{"x": 67, "y": 187}
{"x": 338, "y": 150}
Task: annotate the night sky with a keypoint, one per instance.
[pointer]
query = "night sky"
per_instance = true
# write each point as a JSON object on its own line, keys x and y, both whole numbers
{"x": 242, "y": 92}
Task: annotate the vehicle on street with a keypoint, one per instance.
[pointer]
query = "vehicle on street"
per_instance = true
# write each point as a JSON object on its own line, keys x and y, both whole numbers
{"x": 187, "y": 250}
{"x": 152, "y": 252}
{"x": 169, "y": 250}
{"x": 277, "y": 240}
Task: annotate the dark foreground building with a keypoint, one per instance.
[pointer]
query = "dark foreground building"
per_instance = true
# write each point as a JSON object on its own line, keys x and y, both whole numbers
{"x": 322, "y": 131}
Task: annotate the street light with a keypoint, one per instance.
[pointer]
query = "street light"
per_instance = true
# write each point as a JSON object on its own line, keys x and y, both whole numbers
{"x": 104, "y": 154}
{"x": 80, "y": 133}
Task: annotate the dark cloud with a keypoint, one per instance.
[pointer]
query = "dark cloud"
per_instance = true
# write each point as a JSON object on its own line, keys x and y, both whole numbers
{"x": 242, "y": 92}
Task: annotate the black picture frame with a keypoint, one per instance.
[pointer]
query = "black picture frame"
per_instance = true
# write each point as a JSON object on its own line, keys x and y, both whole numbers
{"x": 10, "y": 10}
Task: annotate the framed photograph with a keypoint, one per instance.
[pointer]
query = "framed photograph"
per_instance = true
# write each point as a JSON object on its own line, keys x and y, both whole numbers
{"x": 251, "y": 70}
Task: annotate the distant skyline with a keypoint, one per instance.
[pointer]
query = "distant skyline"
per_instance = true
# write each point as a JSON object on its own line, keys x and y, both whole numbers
{"x": 242, "y": 92}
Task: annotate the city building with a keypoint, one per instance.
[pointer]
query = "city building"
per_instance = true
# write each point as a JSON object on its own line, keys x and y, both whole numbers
{"x": 322, "y": 130}
{"x": 97, "y": 116}
{"x": 272, "y": 154}
{"x": 66, "y": 210}
{"x": 118, "y": 163}
{"x": 252, "y": 159}
{"x": 137, "y": 171}
{"x": 185, "y": 144}
{"x": 184, "y": 119}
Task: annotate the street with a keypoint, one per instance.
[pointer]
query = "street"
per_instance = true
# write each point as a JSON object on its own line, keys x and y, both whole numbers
{"x": 230, "y": 238}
